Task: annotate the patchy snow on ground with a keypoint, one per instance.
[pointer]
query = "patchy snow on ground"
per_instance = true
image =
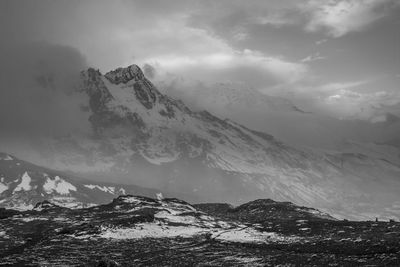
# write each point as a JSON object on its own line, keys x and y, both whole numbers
{"x": 177, "y": 219}
{"x": 69, "y": 202}
{"x": 249, "y": 261}
{"x": 251, "y": 235}
{"x": 25, "y": 184}
{"x": 161, "y": 230}
{"x": 151, "y": 230}
{"x": 30, "y": 219}
{"x": 20, "y": 206}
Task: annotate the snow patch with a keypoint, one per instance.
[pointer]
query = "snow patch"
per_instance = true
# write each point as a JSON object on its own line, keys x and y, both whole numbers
{"x": 20, "y": 206}
{"x": 3, "y": 187}
{"x": 25, "y": 184}
{"x": 58, "y": 185}
{"x": 159, "y": 196}
{"x": 107, "y": 189}
{"x": 155, "y": 230}
{"x": 122, "y": 191}
{"x": 30, "y": 219}
{"x": 70, "y": 202}
{"x": 180, "y": 219}
{"x": 251, "y": 235}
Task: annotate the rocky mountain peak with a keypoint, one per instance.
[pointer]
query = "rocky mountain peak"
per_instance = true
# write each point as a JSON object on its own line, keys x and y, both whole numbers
{"x": 124, "y": 75}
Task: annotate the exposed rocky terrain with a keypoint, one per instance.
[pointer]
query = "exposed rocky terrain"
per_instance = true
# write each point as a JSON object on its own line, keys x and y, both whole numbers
{"x": 132, "y": 133}
{"x": 23, "y": 184}
{"x": 142, "y": 231}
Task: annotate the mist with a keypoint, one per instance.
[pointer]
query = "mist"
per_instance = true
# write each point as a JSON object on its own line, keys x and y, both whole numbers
{"x": 36, "y": 81}
{"x": 300, "y": 120}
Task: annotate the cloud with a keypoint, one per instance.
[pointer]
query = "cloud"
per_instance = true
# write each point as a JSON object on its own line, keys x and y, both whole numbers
{"x": 257, "y": 69}
{"x": 336, "y": 86}
{"x": 349, "y": 104}
{"x": 277, "y": 19}
{"x": 340, "y": 17}
{"x": 349, "y": 100}
{"x": 258, "y": 43}
{"x": 35, "y": 81}
{"x": 313, "y": 57}
{"x": 320, "y": 42}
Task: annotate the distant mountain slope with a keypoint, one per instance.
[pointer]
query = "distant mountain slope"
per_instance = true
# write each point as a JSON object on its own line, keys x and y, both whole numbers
{"x": 139, "y": 135}
{"x": 262, "y": 210}
{"x": 23, "y": 185}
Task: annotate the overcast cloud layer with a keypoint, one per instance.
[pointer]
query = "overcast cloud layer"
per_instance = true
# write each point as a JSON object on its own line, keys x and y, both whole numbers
{"x": 337, "y": 57}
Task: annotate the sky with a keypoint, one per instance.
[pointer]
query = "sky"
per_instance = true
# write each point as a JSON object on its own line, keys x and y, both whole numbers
{"x": 337, "y": 57}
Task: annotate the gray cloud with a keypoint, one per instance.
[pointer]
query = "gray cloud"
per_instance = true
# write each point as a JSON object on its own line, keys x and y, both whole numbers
{"x": 269, "y": 45}
{"x": 35, "y": 79}
{"x": 342, "y": 17}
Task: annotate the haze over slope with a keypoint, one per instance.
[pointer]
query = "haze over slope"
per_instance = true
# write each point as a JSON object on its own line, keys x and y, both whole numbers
{"x": 131, "y": 132}
{"x": 298, "y": 125}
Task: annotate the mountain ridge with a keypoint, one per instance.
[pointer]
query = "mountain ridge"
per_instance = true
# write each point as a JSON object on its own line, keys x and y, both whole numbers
{"x": 145, "y": 231}
{"x": 148, "y": 138}
{"x": 23, "y": 185}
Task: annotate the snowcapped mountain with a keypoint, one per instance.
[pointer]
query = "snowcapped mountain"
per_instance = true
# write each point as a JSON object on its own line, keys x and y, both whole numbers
{"x": 23, "y": 185}
{"x": 139, "y": 135}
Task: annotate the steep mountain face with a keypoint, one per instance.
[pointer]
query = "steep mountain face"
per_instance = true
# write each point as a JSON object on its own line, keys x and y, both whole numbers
{"x": 23, "y": 185}
{"x": 142, "y": 136}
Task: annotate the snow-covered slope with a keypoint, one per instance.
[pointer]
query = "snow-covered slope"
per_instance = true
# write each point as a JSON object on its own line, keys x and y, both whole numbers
{"x": 175, "y": 218}
{"x": 147, "y": 138}
{"x": 23, "y": 185}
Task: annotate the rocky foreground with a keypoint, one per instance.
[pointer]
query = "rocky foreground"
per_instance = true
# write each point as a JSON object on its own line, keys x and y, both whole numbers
{"x": 141, "y": 231}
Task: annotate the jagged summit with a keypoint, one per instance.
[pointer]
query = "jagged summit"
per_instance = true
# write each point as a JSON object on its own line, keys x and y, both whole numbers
{"x": 136, "y": 133}
{"x": 124, "y": 75}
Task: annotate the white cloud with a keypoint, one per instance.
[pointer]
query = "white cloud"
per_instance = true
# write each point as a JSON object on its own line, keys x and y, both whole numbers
{"x": 313, "y": 57}
{"x": 239, "y": 34}
{"x": 349, "y": 104}
{"x": 278, "y": 18}
{"x": 340, "y": 17}
{"x": 337, "y": 86}
{"x": 230, "y": 61}
{"x": 320, "y": 42}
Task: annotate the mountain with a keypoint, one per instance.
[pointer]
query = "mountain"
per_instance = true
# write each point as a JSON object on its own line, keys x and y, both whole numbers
{"x": 142, "y": 231}
{"x": 23, "y": 185}
{"x": 261, "y": 210}
{"x": 136, "y": 134}
{"x": 281, "y": 118}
